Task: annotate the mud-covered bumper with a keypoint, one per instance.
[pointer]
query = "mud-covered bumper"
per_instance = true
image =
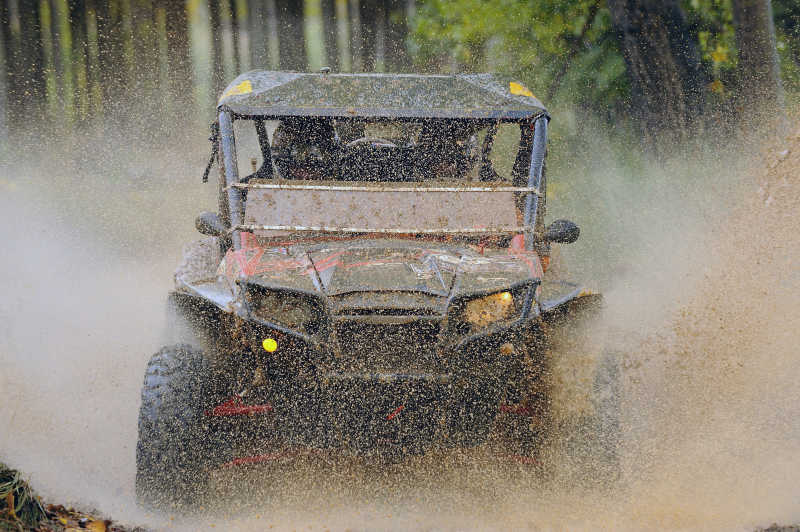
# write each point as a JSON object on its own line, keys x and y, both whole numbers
{"x": 448, "y": 397}
{"x": 378, "y": 413}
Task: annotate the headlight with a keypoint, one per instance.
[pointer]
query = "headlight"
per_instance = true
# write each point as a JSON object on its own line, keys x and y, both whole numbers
{"x": 294, "y": 311}
{"x": 484, "y": 311}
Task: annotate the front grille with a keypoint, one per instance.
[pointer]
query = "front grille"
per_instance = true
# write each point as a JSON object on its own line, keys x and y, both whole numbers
{"x": 391, "y": 312}
{"x": 401, "y": 347}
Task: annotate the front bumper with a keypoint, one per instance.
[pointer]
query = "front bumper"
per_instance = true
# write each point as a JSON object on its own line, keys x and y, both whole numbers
{"x": 445, "y": 397}
{"x": 380, "y": 413}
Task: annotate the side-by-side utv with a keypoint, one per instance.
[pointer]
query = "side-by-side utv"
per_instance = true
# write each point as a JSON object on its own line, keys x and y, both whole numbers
{"x": 375, "y": 283}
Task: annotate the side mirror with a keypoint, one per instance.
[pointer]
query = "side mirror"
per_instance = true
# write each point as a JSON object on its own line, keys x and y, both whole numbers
{"x": 208, "y": 223}
{"x": 562, "y": 232}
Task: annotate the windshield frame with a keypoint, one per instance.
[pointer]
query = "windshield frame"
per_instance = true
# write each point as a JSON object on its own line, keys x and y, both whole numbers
{"x": 530, "y": 157}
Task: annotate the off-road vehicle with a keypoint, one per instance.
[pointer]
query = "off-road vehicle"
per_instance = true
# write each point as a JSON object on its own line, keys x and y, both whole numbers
{"x": 373, "y": 283}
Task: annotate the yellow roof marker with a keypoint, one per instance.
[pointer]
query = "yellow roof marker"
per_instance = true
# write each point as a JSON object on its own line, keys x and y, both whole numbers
{"x": 519, "y": 89}
{"x": 244, "y": 87}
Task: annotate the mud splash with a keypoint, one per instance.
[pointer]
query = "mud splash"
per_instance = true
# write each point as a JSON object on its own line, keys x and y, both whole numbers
{"x": 91, "y": 234}
{"x": 703, "y": 302}
{"x": 713, "y": 392}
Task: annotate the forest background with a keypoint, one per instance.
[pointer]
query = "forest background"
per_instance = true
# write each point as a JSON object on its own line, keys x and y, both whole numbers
{"x": 664, "y": 71}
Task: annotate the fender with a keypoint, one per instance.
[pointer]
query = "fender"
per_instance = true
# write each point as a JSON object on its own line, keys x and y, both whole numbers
{"x": 561, "y": 300}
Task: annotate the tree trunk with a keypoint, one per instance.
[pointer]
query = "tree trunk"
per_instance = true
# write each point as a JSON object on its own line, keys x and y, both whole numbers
{"x": 369, "y": 17}
{"x": 760, "y": 90}
{"x": 10, "y": 69}
{"x": 329, "y": 24}
{"x": 257, "y": 29}
{"x": 663, "y": 67}
{"x": 291, "y": 35}
{"x": 25, "y": 34}
{"x": 273, "y": 41}
{"x": 237, "y": 58}
{"x": 179, "y": 57}
{"x": 58, "y": 63}
{"x": 345, "y": 61}
{"x": 381, "y": 11}
{"x": 61, "y": 93}
{"x": 128, "y": 52}
{"x": 32, "y": 82}
{"x": 93, "y": 72}
{"x": 218, "y": 71}
{"x": 32, "y": 58}
{"x": 4, "y": 68}
{"x": 356, "y": 37}
{"x": 79, "y": 53}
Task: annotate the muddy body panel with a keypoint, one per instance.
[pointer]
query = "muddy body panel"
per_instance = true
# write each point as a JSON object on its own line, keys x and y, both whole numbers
{"x": 360, "y": 265}
{"x": 380, "y": 370}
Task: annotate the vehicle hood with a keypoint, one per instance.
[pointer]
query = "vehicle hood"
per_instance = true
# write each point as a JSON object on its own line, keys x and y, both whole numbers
{"x": 367, "y": 265}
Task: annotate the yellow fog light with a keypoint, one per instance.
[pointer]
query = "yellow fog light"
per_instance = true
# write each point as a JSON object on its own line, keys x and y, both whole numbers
{"x": 489, "y": 309}
{"x": 270, "y": 345}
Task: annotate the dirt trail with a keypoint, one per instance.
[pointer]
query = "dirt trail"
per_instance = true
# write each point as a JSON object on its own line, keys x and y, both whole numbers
{"x": 712, "y": 440}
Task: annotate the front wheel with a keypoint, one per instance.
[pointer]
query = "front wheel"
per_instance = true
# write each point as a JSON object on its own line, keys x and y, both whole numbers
{"x": 172, "y": 453}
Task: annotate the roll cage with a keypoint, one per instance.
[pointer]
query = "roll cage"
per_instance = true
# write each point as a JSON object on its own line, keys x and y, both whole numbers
{"x": 528, "y": 183}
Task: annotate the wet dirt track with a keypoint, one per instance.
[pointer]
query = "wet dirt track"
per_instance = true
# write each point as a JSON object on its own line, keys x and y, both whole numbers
{"x": 712, "y": 440}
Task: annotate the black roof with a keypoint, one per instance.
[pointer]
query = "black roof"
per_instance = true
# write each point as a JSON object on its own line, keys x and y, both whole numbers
{"x": 465, "y": 96}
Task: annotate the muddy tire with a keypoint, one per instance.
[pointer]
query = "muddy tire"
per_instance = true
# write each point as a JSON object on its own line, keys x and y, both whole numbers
{"x": 171, "y": 453}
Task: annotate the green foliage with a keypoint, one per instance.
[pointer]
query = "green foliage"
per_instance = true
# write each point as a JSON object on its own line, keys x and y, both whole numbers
{"x": 787, "y": 28}
{"x": 712, "y": 22}
{"x": 539, "y": 41}
{"x": 534, "y": 41}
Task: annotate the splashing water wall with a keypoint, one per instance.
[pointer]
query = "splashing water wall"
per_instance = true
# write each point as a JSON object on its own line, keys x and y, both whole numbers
{"x": 699, "y": 263}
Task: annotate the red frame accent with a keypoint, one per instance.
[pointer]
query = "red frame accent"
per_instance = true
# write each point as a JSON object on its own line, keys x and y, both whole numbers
{"x": 236, "y": 407}
{"x": 395, "y": 412}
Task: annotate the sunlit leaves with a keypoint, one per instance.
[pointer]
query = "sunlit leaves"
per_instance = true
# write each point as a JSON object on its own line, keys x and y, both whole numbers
{"x": 716, "y": 40}
{"x": 555, "y": 47}
{"x": 536, "y": 40}
{"x": 787, "y": 29}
